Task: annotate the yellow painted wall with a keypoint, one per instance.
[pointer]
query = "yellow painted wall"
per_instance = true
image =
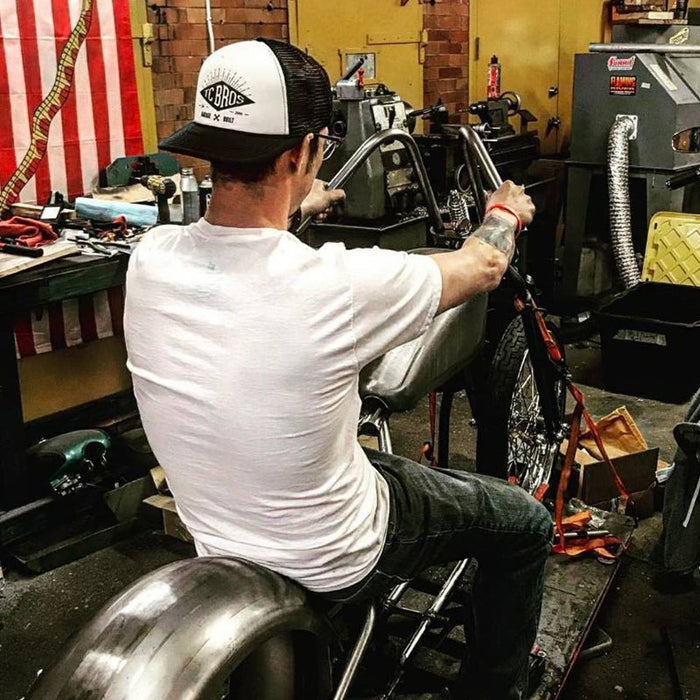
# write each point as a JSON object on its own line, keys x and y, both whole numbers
{"x": 139, "y": 22}
{"x": 535, "y": 43}
{"x": 383, "y": 27}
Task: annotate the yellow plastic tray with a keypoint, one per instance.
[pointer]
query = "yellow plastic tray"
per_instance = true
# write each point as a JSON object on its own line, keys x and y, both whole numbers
{"x": 673, "y": 249}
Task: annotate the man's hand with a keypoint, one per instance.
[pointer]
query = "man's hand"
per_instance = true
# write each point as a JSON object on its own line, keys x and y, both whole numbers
{"x": 320, "y": 201}
{"x": 512, "y": 196}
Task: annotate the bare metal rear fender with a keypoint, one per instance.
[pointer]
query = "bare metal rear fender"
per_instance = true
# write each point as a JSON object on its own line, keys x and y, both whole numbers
{"x": 176, "y": 632}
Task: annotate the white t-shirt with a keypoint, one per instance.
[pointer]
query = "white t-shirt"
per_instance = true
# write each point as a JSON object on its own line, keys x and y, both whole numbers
{"x": 245, "y": 347}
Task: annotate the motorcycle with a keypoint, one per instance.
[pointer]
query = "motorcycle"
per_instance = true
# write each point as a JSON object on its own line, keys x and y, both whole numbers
{"x": 227, "y": 628}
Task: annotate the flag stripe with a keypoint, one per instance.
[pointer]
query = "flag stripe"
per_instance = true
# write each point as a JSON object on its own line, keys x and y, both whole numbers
{"x": 8, "y": 163}
{"x": 40, "y": 329}
{"x": 18, "y": 89}
{"x": 56, "y": 326}
{"x": 98, "y": 91}
{"x": 115, "y": 296}
{"x": 111, "y": 65}
{"x": 69, "y": 113}
{"x": 24, "y": 337}
{"x": 103, "y": 315}
{"x": 47, "y": 70}
{"x": 86, "y": 316}
{"x": 30, "y": 61}
{"x": 133, "y": 139}
{"x": 86, "y": 123}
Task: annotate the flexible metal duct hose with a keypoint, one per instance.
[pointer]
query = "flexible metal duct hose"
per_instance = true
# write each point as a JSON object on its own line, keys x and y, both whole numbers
{"x": 618, "y": 190}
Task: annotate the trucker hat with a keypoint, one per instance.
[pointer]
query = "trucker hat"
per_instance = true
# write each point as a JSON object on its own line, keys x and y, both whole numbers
{"x": 255, "y": 100}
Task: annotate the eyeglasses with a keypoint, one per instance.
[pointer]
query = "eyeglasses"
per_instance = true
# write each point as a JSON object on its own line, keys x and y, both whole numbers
{"x": 331, "y": 143}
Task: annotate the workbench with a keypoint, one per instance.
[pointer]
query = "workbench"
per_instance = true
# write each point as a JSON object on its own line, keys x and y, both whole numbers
{"x": 54, "y": 281}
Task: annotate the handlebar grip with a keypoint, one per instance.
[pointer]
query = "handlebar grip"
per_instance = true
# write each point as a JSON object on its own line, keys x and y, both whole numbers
{"x": 683, "y": 178}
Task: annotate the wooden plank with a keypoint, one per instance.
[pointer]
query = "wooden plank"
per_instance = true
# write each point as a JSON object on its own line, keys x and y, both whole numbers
{"x": 574, "y": 590}
{"x": 11, "y": 264}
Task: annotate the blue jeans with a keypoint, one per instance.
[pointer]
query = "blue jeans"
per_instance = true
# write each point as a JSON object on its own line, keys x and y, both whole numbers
{"x": 438, "y": 516}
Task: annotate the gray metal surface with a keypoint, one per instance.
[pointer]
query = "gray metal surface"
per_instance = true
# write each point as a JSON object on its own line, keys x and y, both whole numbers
{"x": 178, "y": 632}
{"x": 407, "y": 373}
{"x": 366, "y": 151}
{"x": 666, "y": 99}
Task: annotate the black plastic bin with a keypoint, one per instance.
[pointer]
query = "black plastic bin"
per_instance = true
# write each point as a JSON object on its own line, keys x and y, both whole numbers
{"x": 650, "y": 339}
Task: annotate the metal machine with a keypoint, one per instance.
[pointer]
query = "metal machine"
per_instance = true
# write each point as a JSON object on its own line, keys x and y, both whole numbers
{"x": 647, "y": 83}
{"x": 385, "y": 204}
{"x": 381, "y": 203}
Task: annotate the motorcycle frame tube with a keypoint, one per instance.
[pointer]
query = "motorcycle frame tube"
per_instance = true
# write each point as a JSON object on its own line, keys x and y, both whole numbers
{"x": 542, "y": 368}
{"x": 365, "y": 150}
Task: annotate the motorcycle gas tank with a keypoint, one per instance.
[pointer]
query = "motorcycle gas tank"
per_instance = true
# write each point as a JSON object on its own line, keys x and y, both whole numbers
{"x": 407, "y": 373}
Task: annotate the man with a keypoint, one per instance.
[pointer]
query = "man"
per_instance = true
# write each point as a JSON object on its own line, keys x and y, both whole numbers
{"x": 245, "y": 347}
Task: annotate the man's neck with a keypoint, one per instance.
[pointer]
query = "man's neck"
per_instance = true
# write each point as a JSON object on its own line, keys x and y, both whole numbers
{"x": 266, "y": 205}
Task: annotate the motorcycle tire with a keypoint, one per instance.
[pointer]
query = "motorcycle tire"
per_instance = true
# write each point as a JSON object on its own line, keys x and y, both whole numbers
{"x": 511, "y": 441}
{"x": 211, "y": 628}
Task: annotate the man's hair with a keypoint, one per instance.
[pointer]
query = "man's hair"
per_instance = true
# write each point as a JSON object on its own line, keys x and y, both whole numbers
{"x": 253, "y": 173}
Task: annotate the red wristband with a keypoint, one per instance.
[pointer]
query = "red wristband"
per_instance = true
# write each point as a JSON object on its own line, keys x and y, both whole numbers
{"x": 505, "y": 207}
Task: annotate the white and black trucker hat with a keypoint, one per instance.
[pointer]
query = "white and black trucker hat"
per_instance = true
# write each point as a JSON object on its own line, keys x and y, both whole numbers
{"x": 255, "y": 100}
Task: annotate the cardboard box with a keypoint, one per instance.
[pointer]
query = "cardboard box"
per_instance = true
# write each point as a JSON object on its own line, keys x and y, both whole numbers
{"x": 172, "y": 525}
{"x": 163, "y": 500}
{"x": 637, "y": 471}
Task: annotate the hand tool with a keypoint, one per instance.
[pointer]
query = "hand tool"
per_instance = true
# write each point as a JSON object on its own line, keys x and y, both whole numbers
{"x": 13, "y": 249}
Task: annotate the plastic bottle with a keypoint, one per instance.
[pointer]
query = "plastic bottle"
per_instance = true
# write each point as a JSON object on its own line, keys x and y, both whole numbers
{"x": 205, "y": 187}
{"x": 190, "y": 196}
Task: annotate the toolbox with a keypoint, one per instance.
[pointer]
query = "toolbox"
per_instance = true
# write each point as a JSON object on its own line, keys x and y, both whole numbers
{"x": 650, "y": 336}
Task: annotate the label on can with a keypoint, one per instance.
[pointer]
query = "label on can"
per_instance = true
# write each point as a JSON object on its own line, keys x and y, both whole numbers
{"x": 625, "y": 85}
{"x": 641, "y": 337}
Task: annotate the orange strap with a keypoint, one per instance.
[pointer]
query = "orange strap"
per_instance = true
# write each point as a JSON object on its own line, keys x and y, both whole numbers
{"x": 577, "y": 546}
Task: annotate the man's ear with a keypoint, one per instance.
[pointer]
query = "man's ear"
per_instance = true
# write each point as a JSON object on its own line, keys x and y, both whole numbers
{"x": 299, "y": 155}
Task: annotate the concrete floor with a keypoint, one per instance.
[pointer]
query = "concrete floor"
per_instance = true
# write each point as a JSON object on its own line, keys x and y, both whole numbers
{"x": 38, "y": 614}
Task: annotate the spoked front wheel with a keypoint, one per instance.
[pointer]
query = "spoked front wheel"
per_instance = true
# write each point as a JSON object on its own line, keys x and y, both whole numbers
{"x": 512, "y": 440}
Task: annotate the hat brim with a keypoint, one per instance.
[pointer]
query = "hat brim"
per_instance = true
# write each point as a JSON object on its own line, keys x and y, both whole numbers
{"x": 224, "y": 145}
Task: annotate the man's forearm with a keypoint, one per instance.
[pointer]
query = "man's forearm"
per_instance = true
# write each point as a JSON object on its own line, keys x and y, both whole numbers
{"x": 480, "y": 263}
{"x": 499, "y": 232}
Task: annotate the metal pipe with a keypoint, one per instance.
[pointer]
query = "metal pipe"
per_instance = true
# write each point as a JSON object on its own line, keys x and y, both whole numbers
{"x": 385, "y": 437}
{"x": 619, "y": 195}
{"x": 210, "y": 26}
{"x": 357, "y": 653}
{"x": 645, "y": 48}
{"x": 365, "y": 151}
{"x": 354, "y": 68}
{"x": 494, "y": 180}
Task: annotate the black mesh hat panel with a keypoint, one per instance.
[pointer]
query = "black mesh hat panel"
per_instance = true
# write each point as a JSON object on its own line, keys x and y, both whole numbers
{"x": 308, "y": 89}
{"x": 255, "y": 100}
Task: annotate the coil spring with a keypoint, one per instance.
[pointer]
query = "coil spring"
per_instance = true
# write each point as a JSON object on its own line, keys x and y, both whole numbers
{"x": 458, "y": 207}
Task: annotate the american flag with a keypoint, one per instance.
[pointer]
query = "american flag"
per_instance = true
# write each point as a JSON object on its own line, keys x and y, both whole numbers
{"x": 100, "y": 120}
{"x": 71, "y": 322}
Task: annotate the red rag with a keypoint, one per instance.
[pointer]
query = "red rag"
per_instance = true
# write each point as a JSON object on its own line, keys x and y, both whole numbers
{"x": 27, "y": 232}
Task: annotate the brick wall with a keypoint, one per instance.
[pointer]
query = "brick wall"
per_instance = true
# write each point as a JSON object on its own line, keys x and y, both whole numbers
{"x": 181, "y": 45}
{"x": 446, "y": 69}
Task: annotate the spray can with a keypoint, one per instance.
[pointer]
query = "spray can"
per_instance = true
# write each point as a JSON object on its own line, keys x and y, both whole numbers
{"x": 190, "y": 196}
{"x": 493, "y": 86}
{"x": 205, "y": 187}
